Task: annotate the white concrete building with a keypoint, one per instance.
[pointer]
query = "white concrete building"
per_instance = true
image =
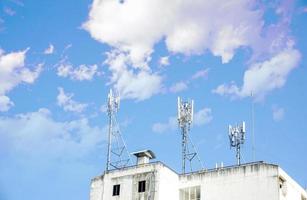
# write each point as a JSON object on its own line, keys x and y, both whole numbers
{"x": 156, "y": 181}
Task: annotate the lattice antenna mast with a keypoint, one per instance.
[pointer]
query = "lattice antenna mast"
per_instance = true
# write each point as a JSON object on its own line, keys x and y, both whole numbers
{"x": 118, "y": 155}
{"x": 185, "y": 119}
{"x": 237, "y": 137}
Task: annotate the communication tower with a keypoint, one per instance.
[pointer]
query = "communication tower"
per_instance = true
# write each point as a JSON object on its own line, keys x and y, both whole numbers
{"x": 118, "y": 155}
{"x": 185, "y": 119}
{"x": 237, "y": 137}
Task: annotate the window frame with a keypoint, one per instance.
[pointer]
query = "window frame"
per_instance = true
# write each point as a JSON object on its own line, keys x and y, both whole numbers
{"x": 142, "y": 186}
{"x": 116, "y": 190}
{"x": 190, "y": 193}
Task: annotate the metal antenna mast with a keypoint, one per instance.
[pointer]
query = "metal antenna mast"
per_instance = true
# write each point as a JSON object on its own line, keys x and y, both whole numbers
{"x": 253, "y": 127}
{"x": 237, "y": 137}
{"x": 118, "y": 155}
{"x": 185, "y": 119}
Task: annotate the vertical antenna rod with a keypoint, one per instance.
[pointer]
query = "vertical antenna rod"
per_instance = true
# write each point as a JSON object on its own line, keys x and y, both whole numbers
{"x": 117, "y": 155}
{"x": 237, "y": 137}
{"x": 185, "y": 119}
{"x": 253, "y": 127}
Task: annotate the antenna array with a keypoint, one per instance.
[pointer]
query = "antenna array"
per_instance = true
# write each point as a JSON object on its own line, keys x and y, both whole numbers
{"x": 237, "y": 137}
{"x": 185, "y": 119}
{"x": 117, "y": 156}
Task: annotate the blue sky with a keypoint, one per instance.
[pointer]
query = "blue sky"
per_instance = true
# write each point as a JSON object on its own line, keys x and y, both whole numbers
{"x": 58, "y": 60}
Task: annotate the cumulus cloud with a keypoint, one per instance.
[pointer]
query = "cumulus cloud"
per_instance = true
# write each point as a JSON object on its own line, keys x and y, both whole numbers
{"x": 136, "y": 84}
{"x": 65, "y": 101}
{"x": 278, "y": 113}
{"x": 133, "y": 26}
{"x": 49, "y": 50}
{"x": 79, "y": 73}
{"x": 179, "y": 87}
{"x": 231, "y": 90}
{"x": 12, "y": 73}
{"x": 37, "y": 134}
{"x": 35, "y": 144}
{"x": 201, "y": 117}
{"x": 164, "y": 61}
{"x": 169, "y": 126}
{"x": 263, "y": 77}
{"x": 188, "y": 27}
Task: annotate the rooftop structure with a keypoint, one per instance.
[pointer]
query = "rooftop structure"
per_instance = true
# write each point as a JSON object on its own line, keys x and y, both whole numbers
{"x": 156, "y": 181}
{"x": 144, "y": 156}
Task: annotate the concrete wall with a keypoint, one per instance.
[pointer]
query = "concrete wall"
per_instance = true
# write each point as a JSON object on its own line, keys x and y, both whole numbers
{"x": 96, "y": 190}
{"x": 168, "y": 184}
{"x": 253, "y": 182}
{"x": 128, "y": 178}
{"x": 290, "y": 190}
{"x": 250, "y": 182}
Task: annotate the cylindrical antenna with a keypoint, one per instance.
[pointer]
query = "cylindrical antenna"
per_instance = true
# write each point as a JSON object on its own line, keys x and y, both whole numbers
{"x": 236, "y": 138}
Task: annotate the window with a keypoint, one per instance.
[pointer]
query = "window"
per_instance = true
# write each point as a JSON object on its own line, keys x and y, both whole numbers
{"x": 283, "y": 185}
{"x": 116, "y": 190}
{"x": 142, "y": 186}
{"x": 281, "y": 182}
{"x": 191, "y": 193}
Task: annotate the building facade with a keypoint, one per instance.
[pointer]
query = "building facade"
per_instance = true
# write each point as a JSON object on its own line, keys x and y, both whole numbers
{"x": 156, "y": 181}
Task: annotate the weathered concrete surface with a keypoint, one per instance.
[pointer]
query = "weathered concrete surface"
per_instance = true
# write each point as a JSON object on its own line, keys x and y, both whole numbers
{"x": 254, "y": 181}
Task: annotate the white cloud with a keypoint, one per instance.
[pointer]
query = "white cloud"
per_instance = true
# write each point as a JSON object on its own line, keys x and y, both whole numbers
{"x": 133, "y": 27}
{"x": 12, "y": 73}
{"x": 184, "y": 85}
{"x": 201, "y": 117}
{"x": 139, "y": 84}
{"x": 263, "y": 77}
{"x": 231, "y": 90}
{"x": 164, "y": 61}
{"x": 35, "y": 144}
{"x": 65, "y": 101}
{"x": 5, "y": 103}
{"x": 37, "y": 134}
{"x": 201, "y": 74}
{"x": 278, "y": 113}
{"x": 49, "y": 50}
{"x": 179, "y": 87}
{"x": 169, "y": 126}
{"x": 188, "y": 27}
{"x": 80, "y": 73}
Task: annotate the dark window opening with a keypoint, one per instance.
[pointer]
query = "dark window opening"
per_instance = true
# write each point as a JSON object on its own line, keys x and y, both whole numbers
{"x": 281, "y": 182}
{"x": 142, "y": 186}
{"x": 116, "y": 190}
